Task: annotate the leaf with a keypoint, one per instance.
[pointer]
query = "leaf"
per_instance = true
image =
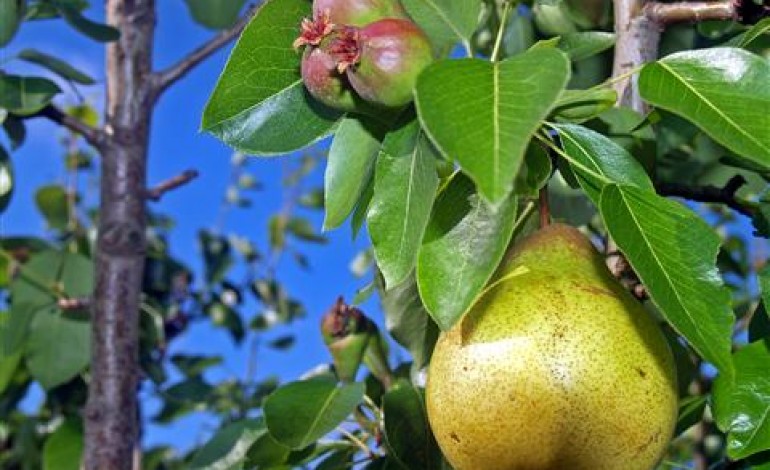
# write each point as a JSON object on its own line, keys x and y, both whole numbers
{"x": 405, "y": 183}
{"x": 6, "y": 179}
{"x": 446, "y": 22}
{"x": 724, "y": 91}
{"x": 192, "y": 366}
{"x": 596, "y": 161}
{"x": 534, "y": 173}
{"x": 463, "y": 244}
{"x": 15, "y": 129}
{"x": 215, "y": 15}
{"x": 742, "y": 407}
{"x": 349, "y": 168}
{"x": 96, "y": 31}
{"x": 748, "y": 38}
{"x": 673, "y": 251}
{"x": 282, "y": 342}
{"x": 300, "y": 413}
{"x": 483, "y": 114}
{"x": 303, "y": 229}
{"x": 26, "y": 95}
{"x": 217, "y": 256}
{"x": 260, "y": 104}
{"x": 582, "y": 105}
{"x": 229, "y": 446}
{"x": 407, "y": 433}
{"x": 408, "y": 322}
{"x": 56, "y": 65}
{"x": 58, "y": 348}
{"x": 50, "y": 271}
{"x": 11, "y": 13}
{"x": 690, "y": 413}
{"x": 759, "y": 327}
{"x": 579, "y": 46}
{"x": 63, "y": 449}
{"x": 52, "y": 202}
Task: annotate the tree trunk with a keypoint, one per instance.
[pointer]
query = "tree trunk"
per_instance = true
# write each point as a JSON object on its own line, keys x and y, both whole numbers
{"x": 111, "y": 411}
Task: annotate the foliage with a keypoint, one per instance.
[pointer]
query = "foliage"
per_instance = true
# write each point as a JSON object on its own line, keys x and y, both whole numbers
{"x": 517, "y": 104}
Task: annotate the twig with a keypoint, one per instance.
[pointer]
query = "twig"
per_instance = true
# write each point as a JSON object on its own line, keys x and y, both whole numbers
{"x": 92, "y": 135}
{"x": 157, "y": 192}
{"x": 165, "y": 78}
{"x": 544, "y": 207}
{"x": 711, "y": 194}
{"x": 77, "y": 303}
{"x": 688, "y": 12}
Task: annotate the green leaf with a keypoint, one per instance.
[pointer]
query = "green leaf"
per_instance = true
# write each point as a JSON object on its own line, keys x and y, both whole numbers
{"x": 96, "y": 31}
{"x": 748, "y": 38}
{"x": 673, "y": 251}
{"x": 303, "y": 229}
{"x": 217, "y": 256}
{"x": 215, "y": 15}
{"x": 408, "y": 322}
{"x": 26, "y": 95}
{"x": 56, "y": 65}
{"x": 229, "y": 446}
{"x": 534, "y": 173}
{"x": 407, "y": 432}
{"x": 690, "y": 413}
{"x": 464, "y": 242}
{"x": 579, "y": 46}
{"x": 11, "y": 13}
{"x": 191, "y": 366}
{"x": 50, "y": 271}
{"x": 741, "y": 407}
{"x": 8, "y": 366}
{"x": 53, "y": 204}
{"x": 759, "y": 327}
{"x": 597, "y": 161}
{"x": 405, "y": 183}
{"x": 15, "y": 129}
{"x": 582, "y": 105}
{"x": 58, "y": 348}
{"x": 6, "y": 179}
{"x": 446, "y": 22}
{"x": 349, "y": 168}
{"x": 483, "y": 114}
{"x": 724, "y": 91}
{"x": 260, "y": 104}
{"x": 63, "y": 450}
{"x": 300, "y": 413}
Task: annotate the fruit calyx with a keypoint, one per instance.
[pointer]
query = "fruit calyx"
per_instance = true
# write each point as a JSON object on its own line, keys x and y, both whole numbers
{"x": 346, "y": 48}
{"x": 312, "y": 32}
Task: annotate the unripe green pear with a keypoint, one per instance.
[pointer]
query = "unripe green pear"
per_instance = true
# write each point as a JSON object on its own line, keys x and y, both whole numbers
{"x": 555, "y": 367}
{"x": 358, "y": 12}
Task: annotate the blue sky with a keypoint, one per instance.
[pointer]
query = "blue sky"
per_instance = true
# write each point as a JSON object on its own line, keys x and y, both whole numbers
{"x": 177, "y": 145}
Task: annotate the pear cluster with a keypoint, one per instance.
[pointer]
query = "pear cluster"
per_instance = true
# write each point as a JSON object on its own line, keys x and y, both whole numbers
{"x": 362, "y": 54}
{"x": 556, "y": 367}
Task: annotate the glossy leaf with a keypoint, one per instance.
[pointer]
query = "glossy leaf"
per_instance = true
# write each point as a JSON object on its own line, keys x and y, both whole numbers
{"x": 582, "y": 105}
{"x": 349, "y": 168}
{"x": 215, "y": 15}
{"x": 579, "y": 46}
{"x": 463, "y": 244}
{"x": 6, "y": 179}
{"x": 407, "y": 432}
{"x": 58, "y": 348}
{"x": 596, "y": 161}
{"x": 300, "y": 413}
{"x": 260, "y": 104}
{"x": 673, "y": 251}
{"x": 446, "y": 22}
{"x": 52, "y": 202}
{"x": 26, "y": 95}
{"x": 724, "y": 91}
{"x": 63, "y": 449}
{"x": 229, "y": 446}
{"x": 747, "y": 39}
{"x": 405, "y": 183}
{"x": 56, "y": 65}
{"x": 483, "y": 114}
{"x": 408, "y": 322}
{"x": 742, "y": 406}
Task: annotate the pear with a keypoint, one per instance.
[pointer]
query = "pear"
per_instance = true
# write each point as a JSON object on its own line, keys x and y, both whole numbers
{"x": 556, "y": 366}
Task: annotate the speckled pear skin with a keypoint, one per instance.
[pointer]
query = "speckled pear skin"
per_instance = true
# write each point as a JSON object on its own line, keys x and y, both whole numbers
{"x": 556, "y": 367}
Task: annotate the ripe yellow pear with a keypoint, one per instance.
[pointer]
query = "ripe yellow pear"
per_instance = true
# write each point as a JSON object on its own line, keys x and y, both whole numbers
{"x": 556, "y": 367}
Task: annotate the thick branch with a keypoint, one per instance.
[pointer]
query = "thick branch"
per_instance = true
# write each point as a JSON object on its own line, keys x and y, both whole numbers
{"x": 92, "y": 135}
{"x": 690, "y": 12}
{"x": 165, "y": 78}
{"x": 712, "y": 194}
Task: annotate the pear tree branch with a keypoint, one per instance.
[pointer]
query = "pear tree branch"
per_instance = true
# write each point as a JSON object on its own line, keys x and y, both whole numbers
{"x": 711, "y": 194}
{"x": 165, "y": 78}
{"x": 92, "y": 135}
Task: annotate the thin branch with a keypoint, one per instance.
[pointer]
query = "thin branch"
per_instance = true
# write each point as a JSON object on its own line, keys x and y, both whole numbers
{"x": 156, "y": 193}
{"x": 691, "y": 12}
{"x": 92, "y": 135}
{"x": 165, "y": 78}
{"x": 725, "y": 195}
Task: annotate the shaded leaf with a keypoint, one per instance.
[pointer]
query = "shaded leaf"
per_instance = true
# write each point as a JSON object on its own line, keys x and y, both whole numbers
{"x": 96, "y": 31}
{"x": 56, "y": 65}
{"x": 53, "y": 203}
{"x": 26, "y": 95}
{"x": 57, "y": 348}
{"x": 215, "y": 15}
{"x": 63, "y": 449}
{"x": 11, "y": 13}
{"x": 407, "y": 432}
{"x": 579, "y": 46}
{"x": 229, "y": 446}
{"x": 6, "y": 179}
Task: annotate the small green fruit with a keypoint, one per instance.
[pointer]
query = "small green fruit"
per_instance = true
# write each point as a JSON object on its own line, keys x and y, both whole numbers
{"x": 556, "y": 367}
{"x": 358, "y": 12}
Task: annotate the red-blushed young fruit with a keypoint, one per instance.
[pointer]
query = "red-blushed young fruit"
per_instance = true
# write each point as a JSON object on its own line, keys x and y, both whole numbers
{"x": 383, "y": 59}
{"x": 325, "y": 83}
{"x": 358, "y": 12}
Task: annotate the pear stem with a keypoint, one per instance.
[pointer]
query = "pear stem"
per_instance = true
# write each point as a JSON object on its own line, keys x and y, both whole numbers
{"x": 544, "y": 208}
